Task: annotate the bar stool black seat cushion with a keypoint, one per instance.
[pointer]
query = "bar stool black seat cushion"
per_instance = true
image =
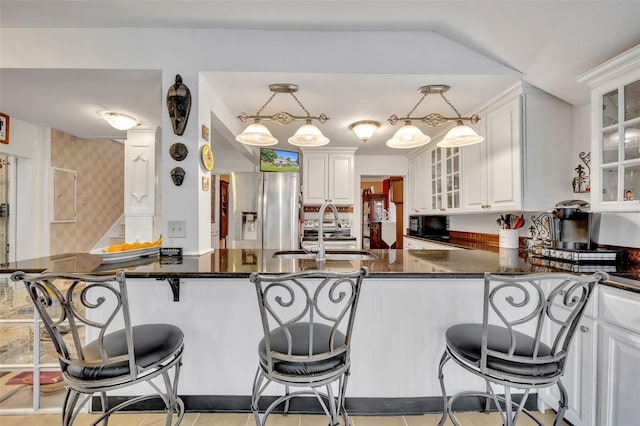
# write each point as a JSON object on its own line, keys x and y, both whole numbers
{"x": 465, "y": 341}
{"x": 152, "y": 343}
{"x": 300, "y": 337}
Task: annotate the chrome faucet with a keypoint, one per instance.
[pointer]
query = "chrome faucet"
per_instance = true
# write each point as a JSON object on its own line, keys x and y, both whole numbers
{"x": 320, "y": 256}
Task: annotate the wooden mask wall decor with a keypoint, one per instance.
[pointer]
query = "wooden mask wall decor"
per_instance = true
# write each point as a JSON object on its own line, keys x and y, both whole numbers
{"x": 177, "y": 175}
{"x": 178, "y": 151}
{"x": 179, "y": 105}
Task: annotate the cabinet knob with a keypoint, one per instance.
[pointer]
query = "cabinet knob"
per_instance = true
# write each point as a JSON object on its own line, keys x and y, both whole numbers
{"x": 584, "y": 328}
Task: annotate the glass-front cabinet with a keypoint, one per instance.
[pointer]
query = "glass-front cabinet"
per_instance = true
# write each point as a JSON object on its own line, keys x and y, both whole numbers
{"x": 444, "y": 179}
{"x": 615, "y": 101}
{"x": 620, "y": 155}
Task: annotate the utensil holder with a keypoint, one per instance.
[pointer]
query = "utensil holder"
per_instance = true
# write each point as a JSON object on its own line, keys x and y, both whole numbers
{"x": 508, "y": 238}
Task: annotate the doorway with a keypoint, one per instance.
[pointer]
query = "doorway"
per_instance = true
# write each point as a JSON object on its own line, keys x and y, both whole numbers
{"x": 382, "y": 211}
{"x": 4, "y": 208}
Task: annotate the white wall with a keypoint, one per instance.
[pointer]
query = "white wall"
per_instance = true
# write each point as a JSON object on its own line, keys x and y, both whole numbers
{"x": 30, "y": 147}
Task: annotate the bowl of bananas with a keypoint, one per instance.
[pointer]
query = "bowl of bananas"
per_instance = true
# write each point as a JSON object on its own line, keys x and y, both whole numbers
{"x": 124, "y": 251}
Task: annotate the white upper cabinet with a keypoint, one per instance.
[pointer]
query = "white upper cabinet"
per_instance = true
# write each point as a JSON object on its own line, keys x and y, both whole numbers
{"x": 443, "y": 179}
{"x": 418, "y": 196}
{"x": 615, "y": 111}
{"x": 525, "y": 161}
{"x": 327, "y": 175}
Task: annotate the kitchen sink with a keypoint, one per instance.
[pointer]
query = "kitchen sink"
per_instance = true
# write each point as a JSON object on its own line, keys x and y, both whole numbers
{"x": 329, "y": 255}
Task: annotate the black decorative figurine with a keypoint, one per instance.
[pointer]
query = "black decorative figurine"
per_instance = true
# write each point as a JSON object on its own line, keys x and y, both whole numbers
{"x": 179, "y": 105}
{"x": 177, "y": 175}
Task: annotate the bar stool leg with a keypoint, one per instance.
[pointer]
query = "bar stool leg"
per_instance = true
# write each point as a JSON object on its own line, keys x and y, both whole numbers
{"x": 445, "y": 411}
{"x": 562, "y": 404}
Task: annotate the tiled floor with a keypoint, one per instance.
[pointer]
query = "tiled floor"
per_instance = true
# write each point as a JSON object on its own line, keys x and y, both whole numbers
{"x": 202, "y": 419}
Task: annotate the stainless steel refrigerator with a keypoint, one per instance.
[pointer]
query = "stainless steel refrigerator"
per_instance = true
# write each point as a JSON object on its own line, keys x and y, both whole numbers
{"x": 264, "y": 210}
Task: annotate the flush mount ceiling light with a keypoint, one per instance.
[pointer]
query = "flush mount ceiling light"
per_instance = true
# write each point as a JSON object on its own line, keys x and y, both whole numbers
{"x": 119, "y": 120}
{"x": 410, "y": 136}
{"x": 307, "y": 135}
{"x": 364, "y": 129}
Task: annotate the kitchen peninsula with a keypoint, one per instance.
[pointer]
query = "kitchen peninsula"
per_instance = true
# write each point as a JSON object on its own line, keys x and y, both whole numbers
{"x": 408, "y": 301}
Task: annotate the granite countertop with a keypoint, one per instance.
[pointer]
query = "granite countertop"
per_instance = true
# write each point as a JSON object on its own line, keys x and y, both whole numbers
{"x": 239, "y": 263}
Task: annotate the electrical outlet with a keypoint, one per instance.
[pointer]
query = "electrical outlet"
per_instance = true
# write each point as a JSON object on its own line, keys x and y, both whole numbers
{"x": 177, "y": 229}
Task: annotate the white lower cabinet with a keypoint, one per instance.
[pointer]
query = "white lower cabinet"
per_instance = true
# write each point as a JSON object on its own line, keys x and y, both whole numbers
{"x": 579, "y": 378}
{"x": 618, "y": 403}
{"x": 602, "y": 373}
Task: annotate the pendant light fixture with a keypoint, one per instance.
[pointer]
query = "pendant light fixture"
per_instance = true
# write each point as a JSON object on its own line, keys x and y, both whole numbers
{"x": 307, "y": 135}
{"x": 410, "y": 136}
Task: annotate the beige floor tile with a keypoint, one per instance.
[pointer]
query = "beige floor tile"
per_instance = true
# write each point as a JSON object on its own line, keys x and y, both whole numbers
{"x": 377, "y": 421}
{"x": 224, "y": 419}
{"x": 30, "y": 420}
{"x": 244, "y": 419}
{"x": 424, "y": 420}
{"x": 318, "y": 420}
{"x": 277, "y": 419}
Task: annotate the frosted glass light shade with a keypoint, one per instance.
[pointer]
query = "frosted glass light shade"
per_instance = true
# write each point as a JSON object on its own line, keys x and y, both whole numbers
{"x": 256, "y": 134}
{"x": 120, "y": 121}
{"x": 365, "y": 129}
{"x": 408, "y": 136}
{"x": 460, "y": 135}
{"x": 308, "y": 135}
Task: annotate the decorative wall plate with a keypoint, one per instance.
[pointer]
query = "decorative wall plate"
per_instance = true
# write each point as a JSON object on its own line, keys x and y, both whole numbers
{"x": 207, "y": 157}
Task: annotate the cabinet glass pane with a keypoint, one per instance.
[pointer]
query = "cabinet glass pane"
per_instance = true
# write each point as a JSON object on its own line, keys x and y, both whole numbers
{"x": 456, "y": 164}
{"x": 632, "y": 142}
{"x": 456, "y": 182}
{"x": 449, "y": 201}
{"x": 449, "y": 184}
{"x": 456, "y": 199}
{"x": 610, "y": 108}
{"x": 14, "y": 301}
{"x": 632, "y": 101}
{"x": 610, "y": 143}
{"x": 16, "y": 343}
{"x": 632, "y": 183}
{"x": 610, "y": 184}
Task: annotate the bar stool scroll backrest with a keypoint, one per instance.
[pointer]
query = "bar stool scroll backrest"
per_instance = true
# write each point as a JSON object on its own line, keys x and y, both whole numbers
{"x": 532, "y": 301}
{"x": 288, "y": 304}
{"x": 65, "y": 302}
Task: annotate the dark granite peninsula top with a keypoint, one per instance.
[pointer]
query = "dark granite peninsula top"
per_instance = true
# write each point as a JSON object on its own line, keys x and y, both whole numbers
{"x": 239, "y": 263}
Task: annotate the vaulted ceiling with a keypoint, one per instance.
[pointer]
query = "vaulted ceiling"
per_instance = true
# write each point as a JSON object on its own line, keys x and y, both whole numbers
{"x": 492, "y": 44}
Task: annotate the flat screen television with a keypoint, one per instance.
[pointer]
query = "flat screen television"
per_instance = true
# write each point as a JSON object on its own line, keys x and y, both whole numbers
{"x": 277, "y": 160}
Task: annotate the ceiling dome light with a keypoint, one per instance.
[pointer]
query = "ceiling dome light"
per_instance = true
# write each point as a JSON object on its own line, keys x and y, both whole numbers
{"x": 408, "y": 136}
{"x": 120, "y": 121}
{"x": 460, "y": 135}
{"x": 256, "y": 134}
{"x": 308, "y": 135}
{"x": 364, "y": 129}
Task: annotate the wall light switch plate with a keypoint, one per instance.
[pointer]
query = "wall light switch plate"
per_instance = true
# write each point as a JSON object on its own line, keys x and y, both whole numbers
{"x": 177, "y": 229}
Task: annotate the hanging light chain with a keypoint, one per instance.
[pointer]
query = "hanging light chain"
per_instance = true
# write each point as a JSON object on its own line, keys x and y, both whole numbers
{"x": 451, "y": 105}
{"x": 265, "y": 104}
{"x": 300, "y": 103}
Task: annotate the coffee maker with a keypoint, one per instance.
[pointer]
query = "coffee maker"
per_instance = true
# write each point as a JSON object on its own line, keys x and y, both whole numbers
{"x": 573, "y": 226}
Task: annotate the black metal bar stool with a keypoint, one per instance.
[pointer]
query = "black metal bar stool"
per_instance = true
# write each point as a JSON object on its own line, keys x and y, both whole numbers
{"x": 75, "y": 308}
{"x": 509, "y": 347}
{"x": 307, "y": 320}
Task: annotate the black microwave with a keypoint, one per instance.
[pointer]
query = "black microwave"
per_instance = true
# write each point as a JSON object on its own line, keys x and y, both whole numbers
{"x": 429, "y": 226}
